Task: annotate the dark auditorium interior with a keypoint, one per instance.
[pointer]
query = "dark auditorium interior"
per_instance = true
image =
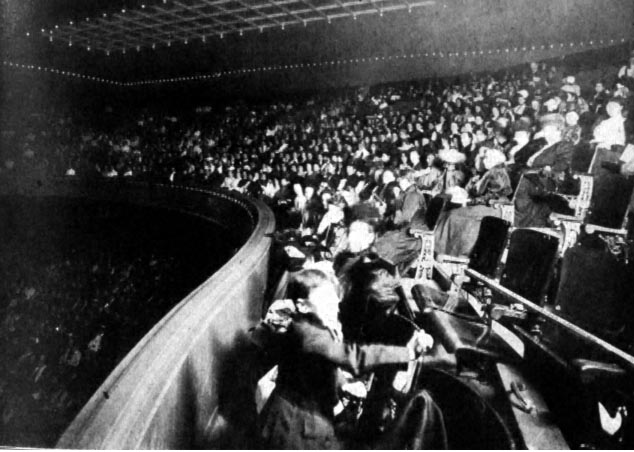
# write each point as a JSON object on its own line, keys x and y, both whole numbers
{"x": 317, "y": 224}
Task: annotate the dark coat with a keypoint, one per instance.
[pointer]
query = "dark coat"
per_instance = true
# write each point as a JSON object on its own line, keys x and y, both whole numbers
{"x": 527, "y": 151}
{"x": 495, "y": 184}
{"x": 558, "y": 157}
{"x": 299, "y": 413}
{"x": 533, "y": 198}
{"x": 413, "y": 201}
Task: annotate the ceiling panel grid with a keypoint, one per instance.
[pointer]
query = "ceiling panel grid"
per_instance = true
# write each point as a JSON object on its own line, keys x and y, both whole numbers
{"x": 170, "y": 21}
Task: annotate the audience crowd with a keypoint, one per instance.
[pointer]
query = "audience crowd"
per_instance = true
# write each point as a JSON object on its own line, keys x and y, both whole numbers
{"x": 379, "y": 155}
{"x": 369, "y": 151}
{"x": 79, "y": 287}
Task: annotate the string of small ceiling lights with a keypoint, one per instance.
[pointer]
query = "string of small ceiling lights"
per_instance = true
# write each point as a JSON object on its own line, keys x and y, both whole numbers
{"x": 63, "y": 73}
{"x": 595, "y": 43}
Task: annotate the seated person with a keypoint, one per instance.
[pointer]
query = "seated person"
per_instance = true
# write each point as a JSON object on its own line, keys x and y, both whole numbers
{"x": 357, "y": 244}
{"x": 611, "y": 131}
{"x": 332, "y": 228}
{"x": 367, "y": 209}
{"x": 544, "y": 172}
{"x": 411, "y": 202}
{"x": 309, "y": 348}
{"x": 458, "y": 227}
{"x": 452, "y": 162}
{"x": 521, "y": 137}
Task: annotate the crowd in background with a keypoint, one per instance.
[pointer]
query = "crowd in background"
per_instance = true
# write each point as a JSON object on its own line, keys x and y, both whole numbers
{"x": 372, "y": 154}
{"x": 364, "y": 147}
{"x": 80, "y": 285}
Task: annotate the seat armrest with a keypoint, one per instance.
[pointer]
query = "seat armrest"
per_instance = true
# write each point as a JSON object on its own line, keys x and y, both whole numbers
{"x": 591, "y": 371}
{"x": 445, "y": 258}
{"x": 593, "y": 228}
{"x": 420, "y": 232}
{"x": 499, "y": 202}
{"x": 559, "y": 218}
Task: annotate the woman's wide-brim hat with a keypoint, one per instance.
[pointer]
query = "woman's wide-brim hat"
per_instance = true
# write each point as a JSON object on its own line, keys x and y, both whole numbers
{"x": 451, "y": 156}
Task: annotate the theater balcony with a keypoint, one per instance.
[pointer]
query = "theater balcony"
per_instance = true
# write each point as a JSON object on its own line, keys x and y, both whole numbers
{"x": 171, "y": 390}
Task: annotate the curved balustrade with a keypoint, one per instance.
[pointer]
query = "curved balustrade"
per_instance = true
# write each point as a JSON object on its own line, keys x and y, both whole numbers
{"x": 168, "y": 391}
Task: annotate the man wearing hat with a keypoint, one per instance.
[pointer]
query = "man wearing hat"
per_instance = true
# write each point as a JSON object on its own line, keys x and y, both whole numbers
{"x": 544, "y": 171}
{"x": 457, "y": 228}
{"x": 600, "y": 97}
{"x": 572, "y": 100}
{"x": 521, "y": 136}
{"x": 522, "y": 109}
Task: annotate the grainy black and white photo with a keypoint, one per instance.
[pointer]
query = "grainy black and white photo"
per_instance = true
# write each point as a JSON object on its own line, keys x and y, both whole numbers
{"x": 317, "y": 224}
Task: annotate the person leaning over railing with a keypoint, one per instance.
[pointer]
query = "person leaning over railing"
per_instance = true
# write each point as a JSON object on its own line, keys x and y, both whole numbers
{"x": 309, "y": 347}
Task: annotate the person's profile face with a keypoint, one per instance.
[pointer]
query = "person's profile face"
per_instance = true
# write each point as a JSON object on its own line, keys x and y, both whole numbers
{"x": 360, "y": 237}
{"x": 613, "y": 109}
{"x": 551, "y": 133}
{"x": 402, "y": 183}
{"x": 323, "y": 301}
{"x": 521, "y": 135}
{"x": 465, "y": 139}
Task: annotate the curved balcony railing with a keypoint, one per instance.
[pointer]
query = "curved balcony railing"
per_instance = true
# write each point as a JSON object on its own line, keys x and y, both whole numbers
{"x": 170, "y": 391}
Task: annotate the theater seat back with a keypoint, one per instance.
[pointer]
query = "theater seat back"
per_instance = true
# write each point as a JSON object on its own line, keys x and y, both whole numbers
{"x": 487, "y": 251}
{"x": 596, "y": 291}
{"x": 530, "y": 263}
{"x": 435, "y": 207}
{"x": 610, "y": 200}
